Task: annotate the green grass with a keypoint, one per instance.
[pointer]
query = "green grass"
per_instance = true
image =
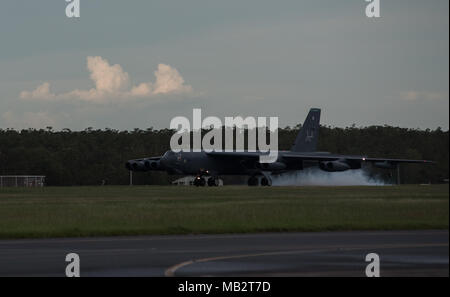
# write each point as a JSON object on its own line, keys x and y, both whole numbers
{"x": 123, "y": 210}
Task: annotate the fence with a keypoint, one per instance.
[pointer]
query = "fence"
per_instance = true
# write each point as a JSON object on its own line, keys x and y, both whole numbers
{"x": 22, "y": 180}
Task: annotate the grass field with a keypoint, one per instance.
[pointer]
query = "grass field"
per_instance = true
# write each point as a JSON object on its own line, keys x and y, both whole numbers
{"x": 124, "y": 210}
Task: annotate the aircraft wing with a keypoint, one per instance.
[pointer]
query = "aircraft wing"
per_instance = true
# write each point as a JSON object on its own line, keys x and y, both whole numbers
{"x": 145, "y": 159}
{"x": 353, "y": 158}
{"x": 315, "y": 157}
{"x": 247, "y": 155}
{"x": 143, "y": 164}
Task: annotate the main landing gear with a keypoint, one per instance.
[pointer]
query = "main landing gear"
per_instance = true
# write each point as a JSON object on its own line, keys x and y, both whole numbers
{"x": 259, "y": 181}
{"x": 200, "y": 181}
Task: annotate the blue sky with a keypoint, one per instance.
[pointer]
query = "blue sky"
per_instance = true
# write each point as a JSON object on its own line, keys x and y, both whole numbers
{"x": 136, "y": 64}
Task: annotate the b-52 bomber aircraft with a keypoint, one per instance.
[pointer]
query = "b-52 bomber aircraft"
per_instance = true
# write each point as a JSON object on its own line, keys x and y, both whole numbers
{"x": 208, "y": 166}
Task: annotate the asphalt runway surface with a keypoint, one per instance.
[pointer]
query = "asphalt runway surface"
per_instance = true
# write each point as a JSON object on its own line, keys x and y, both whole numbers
{"x": 401, "y": 253}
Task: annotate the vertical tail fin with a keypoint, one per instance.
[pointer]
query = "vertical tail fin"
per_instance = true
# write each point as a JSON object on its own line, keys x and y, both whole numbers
{"x": 308, "y": 135}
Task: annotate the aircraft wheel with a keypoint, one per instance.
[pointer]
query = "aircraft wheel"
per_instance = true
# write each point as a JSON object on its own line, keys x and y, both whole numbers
{"x": 199, "y": 181}
{"x": 265, "y": 182}
{"x": 213, "y": 182}
{"x": 196, "y": 182}
{"x": 252, "y": 181}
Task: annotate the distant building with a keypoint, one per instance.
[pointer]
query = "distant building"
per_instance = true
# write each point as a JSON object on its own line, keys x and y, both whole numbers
{"x": 22, "y": 180}
{"x": 189, "y": 181}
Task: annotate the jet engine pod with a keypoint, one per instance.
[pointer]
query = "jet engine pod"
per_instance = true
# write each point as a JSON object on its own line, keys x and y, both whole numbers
{"x": 334, "y": 166}
{"x": 275, "y": 166}
{"x": 152, "y": 165}
{"x": 135, "y": 166}
{"x": 384, "y": 165}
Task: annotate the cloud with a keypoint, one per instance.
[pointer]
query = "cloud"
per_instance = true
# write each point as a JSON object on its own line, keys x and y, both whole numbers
{"x": 107, "y": 78}
{"x": 41, "y": 92}
{"x": 112, "y": 82}
{"x": 27, "y": 120}
{"x": 430, "y": 96}
{"x": 168, "y": 80}
{"x": 409, "y": 96}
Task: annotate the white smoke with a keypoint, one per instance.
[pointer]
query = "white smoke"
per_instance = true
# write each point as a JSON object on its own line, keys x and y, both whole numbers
{"x": 317, "y": 177}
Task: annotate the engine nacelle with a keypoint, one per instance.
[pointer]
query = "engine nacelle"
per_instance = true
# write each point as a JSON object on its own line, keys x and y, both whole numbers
{"x": 334, "y": 166}
{"x": 275, "y": 166}
{"x": 143, "y": 165}
{"x": 384, "y": 165}
{"x": 135, "y": 166}
{"x": 152, "y": 165}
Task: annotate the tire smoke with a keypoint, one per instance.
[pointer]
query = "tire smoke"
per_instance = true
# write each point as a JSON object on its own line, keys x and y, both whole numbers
{"x": 317, "y": 177}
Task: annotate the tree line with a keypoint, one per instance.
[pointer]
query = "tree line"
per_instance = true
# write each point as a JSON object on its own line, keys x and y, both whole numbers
{"x": 94, "y": 157}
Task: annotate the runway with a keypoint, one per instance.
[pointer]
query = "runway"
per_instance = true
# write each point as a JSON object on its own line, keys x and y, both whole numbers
{"x": 402, "y": 253}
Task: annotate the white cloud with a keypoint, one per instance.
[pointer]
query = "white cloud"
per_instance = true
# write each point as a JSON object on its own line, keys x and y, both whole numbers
{"x": 107, "y": 78}
{"x": 41, "y": 92}
{"x": 409, "y": 96}
{"x": 414, "y": 96}
{"x": 27, "y": 120}
{"x": 169, "y": 80}
{"x": 112, "y": 82}
{"x": 142, "y": 90}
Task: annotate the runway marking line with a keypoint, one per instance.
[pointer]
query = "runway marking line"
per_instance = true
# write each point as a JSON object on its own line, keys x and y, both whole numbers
{"x": 170, "y": 272}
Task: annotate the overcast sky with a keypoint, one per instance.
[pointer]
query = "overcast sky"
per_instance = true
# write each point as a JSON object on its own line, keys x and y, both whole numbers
{"x": 137, "y": 64}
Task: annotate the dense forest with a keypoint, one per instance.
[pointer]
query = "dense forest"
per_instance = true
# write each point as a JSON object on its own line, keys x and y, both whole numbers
{"x": 93, "y": 157}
